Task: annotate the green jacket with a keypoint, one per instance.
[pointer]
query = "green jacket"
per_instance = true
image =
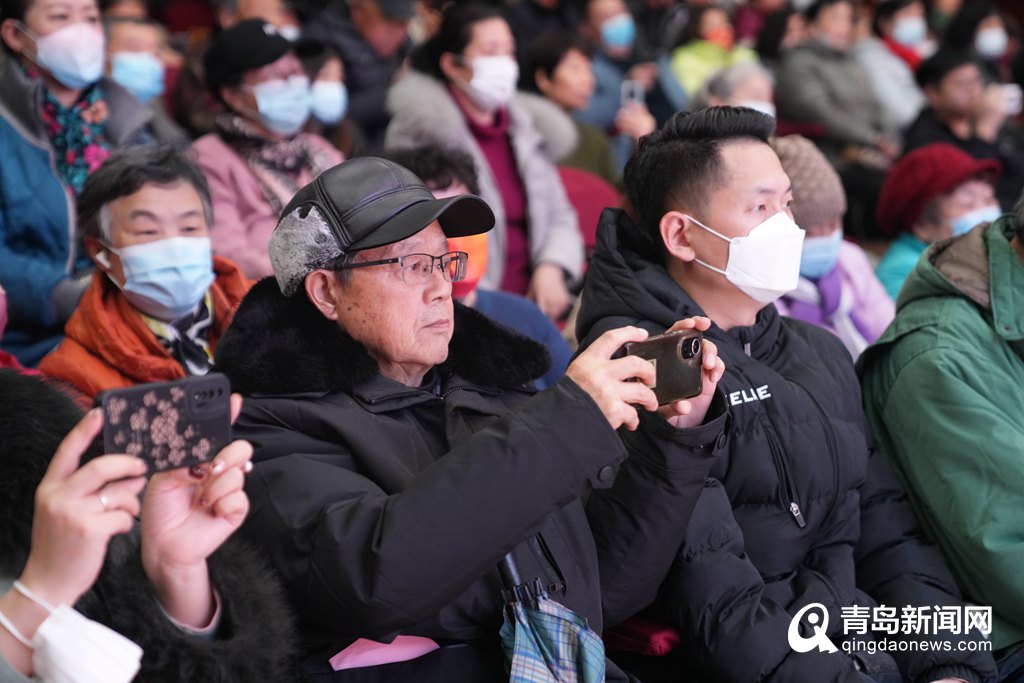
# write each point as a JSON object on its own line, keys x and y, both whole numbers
{"x": 943, "y": 390}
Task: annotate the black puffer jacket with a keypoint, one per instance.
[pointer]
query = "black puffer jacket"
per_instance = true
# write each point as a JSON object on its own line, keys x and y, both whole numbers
{"x": 797, "y": 510}
{"x": 255, "y": 638}
{"x": 387, "y": 508}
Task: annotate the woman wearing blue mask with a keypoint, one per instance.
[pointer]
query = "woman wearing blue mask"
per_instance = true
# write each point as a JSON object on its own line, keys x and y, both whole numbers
{"x": 933, "y": 193}
{"x": 258, "y": 156}
{"x": 329, "y": 97}
{"x": 59, "y": 120}
{"x": 838, "y": 289}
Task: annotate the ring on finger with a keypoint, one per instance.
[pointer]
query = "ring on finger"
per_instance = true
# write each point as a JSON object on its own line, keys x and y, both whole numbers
{"x": 104, "y": 501}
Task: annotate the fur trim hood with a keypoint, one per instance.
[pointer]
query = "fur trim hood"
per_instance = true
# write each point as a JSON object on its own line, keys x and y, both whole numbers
{"x": 433, "y": 103}
{"x": 281, "y": 345}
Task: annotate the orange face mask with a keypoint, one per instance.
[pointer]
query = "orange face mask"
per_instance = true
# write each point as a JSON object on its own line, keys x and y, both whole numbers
{"x": 476, "y": 266}
{"x": 723, "y": 36}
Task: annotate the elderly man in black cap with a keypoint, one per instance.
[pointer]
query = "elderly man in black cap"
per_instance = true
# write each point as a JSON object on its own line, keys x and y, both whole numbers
{"x": 401, "y": 451}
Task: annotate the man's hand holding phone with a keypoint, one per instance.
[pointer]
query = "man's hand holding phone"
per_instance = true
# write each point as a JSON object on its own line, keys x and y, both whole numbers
{"x": 691, "y": 412}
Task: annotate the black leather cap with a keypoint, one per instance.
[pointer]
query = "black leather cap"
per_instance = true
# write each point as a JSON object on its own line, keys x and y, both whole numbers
{"x": 370, "y": 202}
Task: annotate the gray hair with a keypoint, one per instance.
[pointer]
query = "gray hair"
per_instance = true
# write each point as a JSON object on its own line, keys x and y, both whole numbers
{"x": 126, "y": 172}
{"x": 725, "y": 82}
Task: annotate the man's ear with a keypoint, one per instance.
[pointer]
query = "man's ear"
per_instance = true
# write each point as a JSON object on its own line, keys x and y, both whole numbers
{"x": 322, "y": 290}
{"x": 675, "y": 228}
{"x": 542, "y": 80}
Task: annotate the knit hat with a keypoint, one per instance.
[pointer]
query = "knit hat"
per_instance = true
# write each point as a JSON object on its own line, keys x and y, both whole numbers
{"x": 922, "y": 175}
{"x": 359, "y": 204}
{"x": 818, "y": 195}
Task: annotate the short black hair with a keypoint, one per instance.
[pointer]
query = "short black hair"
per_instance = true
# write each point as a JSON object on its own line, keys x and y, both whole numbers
{"x": 438, "y": 167}
{"x": 545, "y": 54}
{"x": 816, "y": 7}
{"x": 126, "y": 172}
{"x": 963, "y": 27}
{"x": 681, "y": 163}
{"x": 934, "y": 69}
{"x": 454, "y": 35}
{"x": 886, "y": 11}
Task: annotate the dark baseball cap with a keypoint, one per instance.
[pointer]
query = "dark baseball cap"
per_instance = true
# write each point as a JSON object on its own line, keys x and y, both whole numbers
{"x": 359, "y": 204}
{"x": 247, "y": 45}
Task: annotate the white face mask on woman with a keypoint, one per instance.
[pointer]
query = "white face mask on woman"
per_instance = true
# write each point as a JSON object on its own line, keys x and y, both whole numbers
{"x": 765, "y": 263}
{"x": 494, "y": 81}
{"x": 73, "y": 55}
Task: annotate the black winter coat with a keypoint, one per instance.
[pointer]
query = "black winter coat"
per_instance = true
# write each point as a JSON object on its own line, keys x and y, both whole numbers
{"x": 387, "y": 508}
{"x": 798, "y": 510}
{"x": 255, "y": 638}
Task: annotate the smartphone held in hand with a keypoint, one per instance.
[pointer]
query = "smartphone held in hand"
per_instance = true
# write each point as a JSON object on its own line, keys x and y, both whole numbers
{"x": 677, "y": 358}
{"x": 169, "y": 424}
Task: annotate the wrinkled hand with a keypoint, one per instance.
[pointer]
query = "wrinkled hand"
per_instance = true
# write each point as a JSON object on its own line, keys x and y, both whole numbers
{"x": 72, "y": 527}
{"x": 185, "y": 519}
{"x": 635, "y": 120}
{"x": 691, "y": 412}
{"x": 607, "y": 380}
{"x": 888, "y": 147}
{"x": 547, "y": 289}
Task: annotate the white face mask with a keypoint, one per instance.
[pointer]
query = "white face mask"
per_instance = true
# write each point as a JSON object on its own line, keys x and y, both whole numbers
{"x": 68, "y": 648}
{"x": 765, "y": 263}
{"x": 73, "y": 55}
{"x": 991, "y": 42}
{"x": 493, "y": 83}
{"x": 767, "y": 108}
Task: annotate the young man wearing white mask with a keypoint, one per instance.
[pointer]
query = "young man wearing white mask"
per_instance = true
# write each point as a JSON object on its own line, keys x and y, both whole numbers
{"x": 797, "y": 510}
{"x": 258, "y": 155}
{"x": 462, "y": 95}
{"x": 158, "y": 300}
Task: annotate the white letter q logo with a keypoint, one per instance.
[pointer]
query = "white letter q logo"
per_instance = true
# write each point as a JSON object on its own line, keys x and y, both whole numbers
{"x": 819, "y": 639}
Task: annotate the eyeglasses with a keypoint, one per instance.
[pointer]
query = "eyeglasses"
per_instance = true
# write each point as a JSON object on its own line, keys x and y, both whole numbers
{"x": 417, "y": 268}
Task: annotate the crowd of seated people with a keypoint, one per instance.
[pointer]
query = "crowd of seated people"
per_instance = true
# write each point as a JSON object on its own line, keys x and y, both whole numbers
{"x": 418, "y": 238}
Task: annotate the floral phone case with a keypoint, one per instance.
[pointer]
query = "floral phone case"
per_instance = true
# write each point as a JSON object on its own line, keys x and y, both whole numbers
{"x": 169, "y": 424}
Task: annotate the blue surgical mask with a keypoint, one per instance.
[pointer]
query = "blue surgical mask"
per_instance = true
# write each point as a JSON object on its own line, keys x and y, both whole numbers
{"x": 985, "y": 214}
{"x": 820, "y": 255}
{"x": 910, "y": 31}
{"x": 168, "y": 278}
{"x": 329, "y": 101}
{"x": 140, "y": 73}
{"x": 283, "y": 105}
{"x": 619, "y": 31}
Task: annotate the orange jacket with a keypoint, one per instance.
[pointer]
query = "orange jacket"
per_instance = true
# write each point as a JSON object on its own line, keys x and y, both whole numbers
{"x": 108, "y": 346}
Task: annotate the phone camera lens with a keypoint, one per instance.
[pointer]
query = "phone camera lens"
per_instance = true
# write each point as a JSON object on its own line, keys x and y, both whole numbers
{"x": 691, "y": 348}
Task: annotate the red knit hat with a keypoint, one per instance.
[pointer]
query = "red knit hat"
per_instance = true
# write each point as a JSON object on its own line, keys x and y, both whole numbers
{"x": 922, "y": 175}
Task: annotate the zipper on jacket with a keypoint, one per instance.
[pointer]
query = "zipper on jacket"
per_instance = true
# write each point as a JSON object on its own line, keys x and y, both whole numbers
{"x": 788, "y": 489}
{"x": 542, "y": 552}
{"x": 389, "y": 397}
{"x": 459, "y": 387}
{"x": 830, "y": 443}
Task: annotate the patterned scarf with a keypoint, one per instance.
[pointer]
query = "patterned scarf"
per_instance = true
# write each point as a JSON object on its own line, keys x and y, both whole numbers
{"x": 187, "y": 339}
{"x": 77, "y": 134}
{"x": 277, "y": 164}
